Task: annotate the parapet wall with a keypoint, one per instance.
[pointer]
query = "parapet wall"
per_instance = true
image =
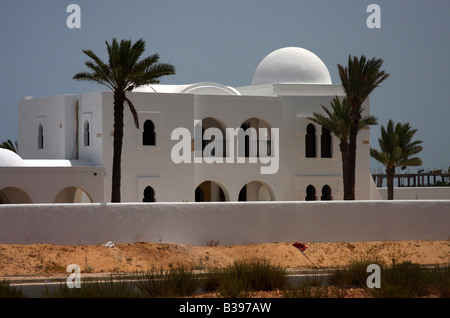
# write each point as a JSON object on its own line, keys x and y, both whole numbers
{"x": 229, "y": 223}
{"x": 417, "y": 193}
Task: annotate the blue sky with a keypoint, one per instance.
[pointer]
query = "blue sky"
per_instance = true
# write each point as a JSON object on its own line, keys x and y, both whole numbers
{"x": 224, "y": 41}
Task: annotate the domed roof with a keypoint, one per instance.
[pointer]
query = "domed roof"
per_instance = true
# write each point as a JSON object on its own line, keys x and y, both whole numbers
{"x": 9, "y": 158}
{"x": 291, "y": 65}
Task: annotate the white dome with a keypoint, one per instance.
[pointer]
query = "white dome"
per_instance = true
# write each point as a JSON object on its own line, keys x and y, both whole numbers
{"x": 291, "y": 65}
{"x": 9, "y": 158}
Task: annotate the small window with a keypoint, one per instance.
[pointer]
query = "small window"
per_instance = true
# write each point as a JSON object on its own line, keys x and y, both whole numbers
{"x": 149, "y": 195}
{"x": 325, "y": 143}
{"x": 40, "y": 137}
{"x": 149, "y": 135}
{"x": 326, "y": 193}
{"x": 310, "y": 141}
{"x": 87, "y": 134}
{"x": 310, "y": 193}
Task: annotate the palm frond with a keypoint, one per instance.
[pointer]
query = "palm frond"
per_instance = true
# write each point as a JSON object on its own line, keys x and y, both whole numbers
{"x": 396, "y": 146}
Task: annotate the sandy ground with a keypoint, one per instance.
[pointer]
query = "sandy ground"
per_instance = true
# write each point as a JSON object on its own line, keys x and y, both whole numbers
{"x": 48, "y": 259}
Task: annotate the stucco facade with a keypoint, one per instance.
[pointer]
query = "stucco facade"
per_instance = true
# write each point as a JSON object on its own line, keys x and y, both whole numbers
{"x": 302, "y": 162}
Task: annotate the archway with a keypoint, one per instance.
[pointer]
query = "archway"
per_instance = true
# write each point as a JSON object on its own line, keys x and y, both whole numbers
{"x": 257, "y": 138}
{"x": 210, "y": 146}
{"x": 210, "y": 191}
{"x": 13, "y": 195}
{"x": 73, "y": 195}
{"x": 256, "y": 191}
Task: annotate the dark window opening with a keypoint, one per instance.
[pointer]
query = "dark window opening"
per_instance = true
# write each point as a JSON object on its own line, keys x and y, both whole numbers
{"x": 310, "y": 141}
{"x": 149, "y": 195}
{"x": 325, "y": 142}
{"x": 40, "y": 137}
{"x": 326, "y": 193}
{"x": 149, "y": 135}
{"x": 87, "y": 134}
{"x": 310, "y": 193}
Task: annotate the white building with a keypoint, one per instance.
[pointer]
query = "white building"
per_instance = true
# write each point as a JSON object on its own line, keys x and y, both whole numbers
{"x": 68, "y": 139}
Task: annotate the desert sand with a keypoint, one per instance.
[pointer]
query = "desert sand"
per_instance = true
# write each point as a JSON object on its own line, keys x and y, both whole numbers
{"x": 48, "y": 259}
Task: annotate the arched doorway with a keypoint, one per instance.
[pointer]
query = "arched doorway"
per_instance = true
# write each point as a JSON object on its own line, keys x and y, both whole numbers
{"x": 210, "y": 191}
{"x": 14, "y": 195}
{"x": 256, "y": 191}
{"x": 73, "y": 195}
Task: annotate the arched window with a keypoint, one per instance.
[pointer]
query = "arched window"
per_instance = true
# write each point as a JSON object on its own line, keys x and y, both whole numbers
{"x": 325, "y": 143}
{"x": 40, "y": 137}
{"x": 310, "y": 193}
{"x": 149, "y": 135}
{"x": 149, "y": 195}
{"x": 246, "y": 151}
{"x": 87, "y": 134}
{"x": 326, "y": 193}
{"x": 310, "y": 141}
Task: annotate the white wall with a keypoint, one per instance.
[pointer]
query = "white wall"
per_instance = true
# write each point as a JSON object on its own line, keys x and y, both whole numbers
{"x": 144, "y": 166}
{"x": 42, "y": 184}
{"x": 418, "y": 193}
{"x": 229, "y": 223}
{"x": 57, "y": 116}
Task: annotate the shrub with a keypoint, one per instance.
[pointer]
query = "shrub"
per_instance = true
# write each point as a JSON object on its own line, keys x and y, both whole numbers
{"x": 354, "y": 275}
{"x": 104, "y": 288}
{"x": 8, "y": 291}
{"x": 310, "y": 287}
{"x": 242, "y": 277}
{"x": 175, "y": 282}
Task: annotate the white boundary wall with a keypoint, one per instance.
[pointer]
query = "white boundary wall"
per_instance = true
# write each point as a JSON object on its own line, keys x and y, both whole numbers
{"x": 229, "y": 223}
{"x": 417, "y": 193}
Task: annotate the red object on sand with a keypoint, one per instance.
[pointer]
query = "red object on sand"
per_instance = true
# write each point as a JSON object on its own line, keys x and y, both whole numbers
{"x": 300, "y": 246}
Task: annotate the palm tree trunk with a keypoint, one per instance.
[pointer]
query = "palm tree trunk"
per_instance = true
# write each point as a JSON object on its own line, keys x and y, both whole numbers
{"x": 349, "y": 187}
{"x": 343, "y": 146}
{"x": 117, "y": 147}
{"x": 390, "y": 182}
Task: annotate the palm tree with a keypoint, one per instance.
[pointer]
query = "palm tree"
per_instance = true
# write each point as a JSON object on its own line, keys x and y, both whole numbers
{"x": 337, "y": 121}
{"x": 359, "y": 78}
{"x": 9, "y": 145}
{"x": 397, "y": 149}
{"x": 123, "y": 72}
